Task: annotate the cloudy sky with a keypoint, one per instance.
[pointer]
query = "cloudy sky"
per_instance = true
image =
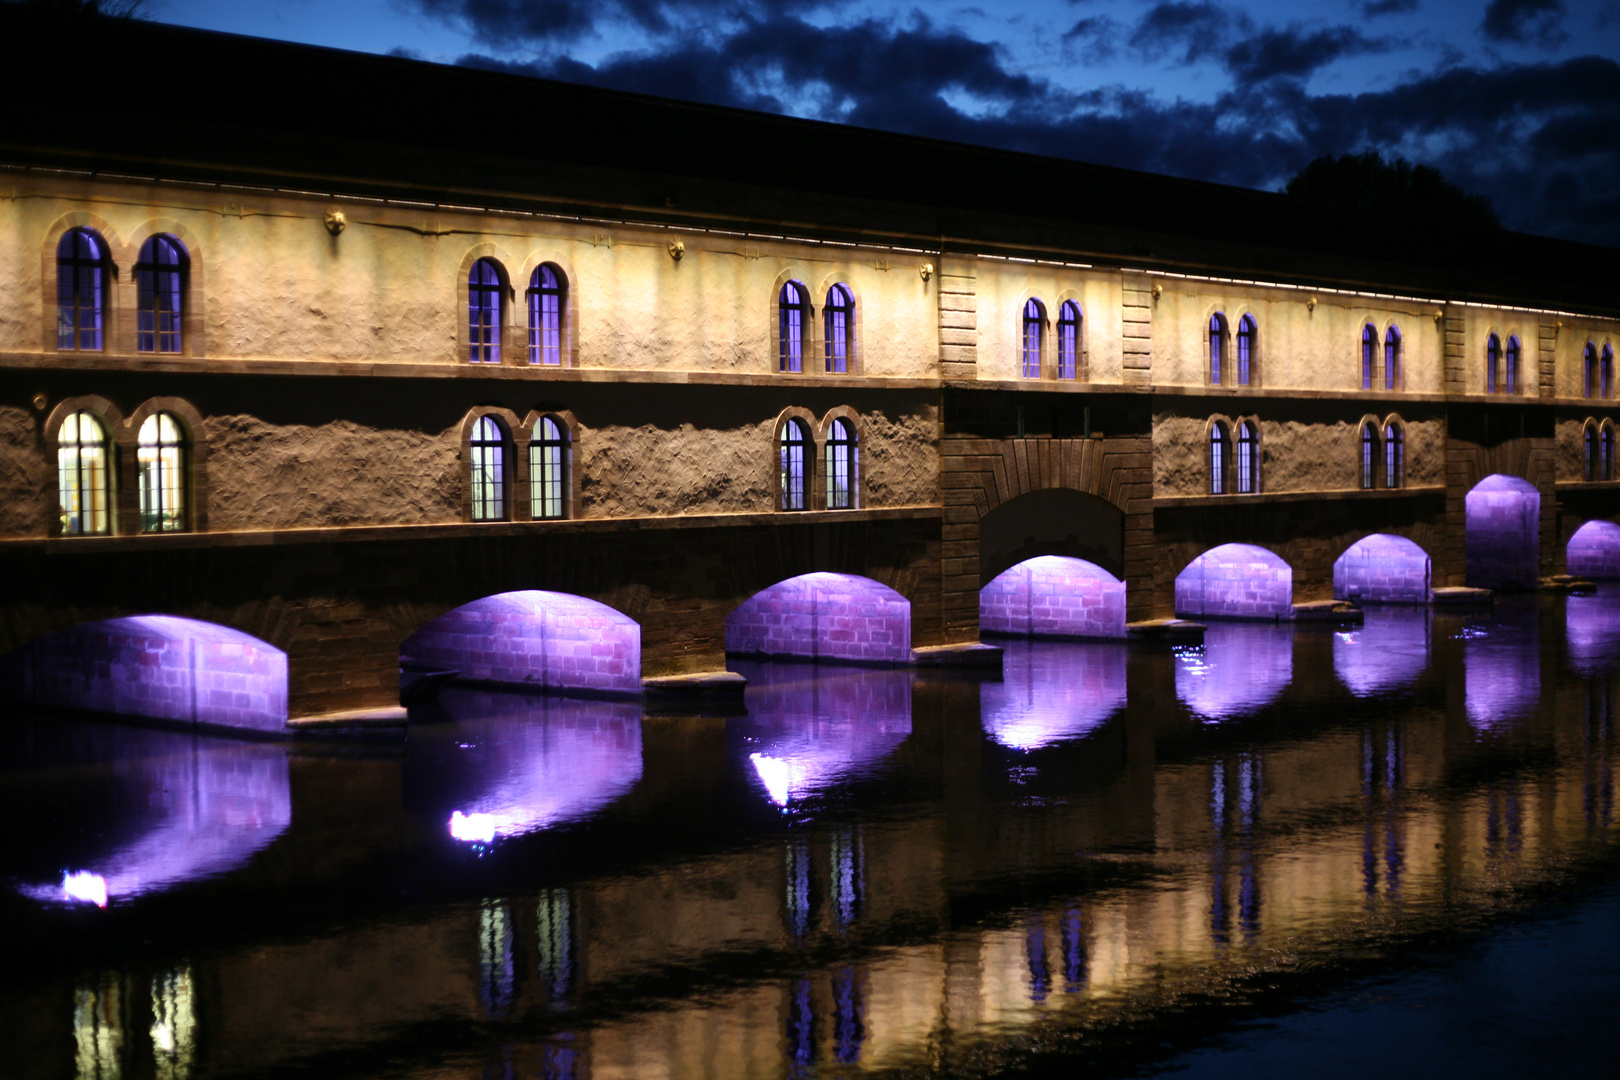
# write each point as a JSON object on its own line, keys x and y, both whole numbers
{"x": 1516, "y": 99}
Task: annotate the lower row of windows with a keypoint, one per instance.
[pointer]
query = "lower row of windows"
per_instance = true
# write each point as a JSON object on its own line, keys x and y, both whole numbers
{"x": 84, "y": 475}
{"x": 1234, "y": 455}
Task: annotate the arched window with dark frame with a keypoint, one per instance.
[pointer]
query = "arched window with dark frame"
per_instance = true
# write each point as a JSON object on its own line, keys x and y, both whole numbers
{"x": 160, "y": 295}
{"x": 1248, "y": 458}
{"x": 1248, "y": 339}
{"x": 792, "y": 320}
{"x": 838, "y": 317}
{"x": 83, "y": 476}
{"x": 486, "y": 473}
{"x": 1589, "y": 451}
{"x": 1394, "y": 455}
{"x": 1369, "y": 355}
{"x": 1217, "y": 347}
{"x": 1510, "y": 366}
{"x": 548, "y": 470}
{"x": 1369, "y": 455}
{"x": 1606, "y": 372}
{"x": 1033, "y": 329}
{"x": 81, "y": 290}
{"x": 1493, "y": 363}
{"x": 1068, "y": 342}
{"x": 547, "y": 294}
{"x": 1392, "y": 358}
{"x": 793, "y": 452}
{"x": 1589, "y": 370}
{"x": 1606, "y": 450}
{"x": 162, "y": 463}
{"x": 1220, "y": 449}
{"x": 484, "y": 288}
{"x": 842, "y": 465}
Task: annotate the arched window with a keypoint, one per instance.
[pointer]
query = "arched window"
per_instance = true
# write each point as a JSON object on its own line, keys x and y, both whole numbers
{"x": 842, "y": 463}
{"x": 1217, "y": 347}
{"x": 793, "y": 318}
{"x": 1392, "y": 358}
{"x": 1606, "y": 372}
{"x": 484, "y": 312}
{"x": 1510, "y": 374}
{"x": 1589, "y": 451}
{"x": 1394, "y": 455}
{"x": 160, "y": 295}
{"x": 1247, "y": 357}
{"x": 1606, "y": 451}
{"x": 548, "y": 470}
{"x": 793, "y": 444}
{"x": 160, "y": 458}
{"x": 839, "y": 317}
{"x": 1369, "y": 355}
{"x": 83, "y": 479}
{"x": 1248, "y": 458}
{"x": 1589, "y": 370}
{"x": 1034, "y": 325}
{"x": 1068, "y": 340}
{"x": 547, "y": 292}
{"x": 1493, "y": 363}
{"x": 81, "y": 290}
{"x": 1369, "y": 455}
{"x": 1220, "y": 450}
{"x": 487, "y": 475}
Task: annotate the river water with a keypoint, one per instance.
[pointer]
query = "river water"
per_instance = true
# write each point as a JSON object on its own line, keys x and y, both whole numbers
{"x": 1290, "y": 849}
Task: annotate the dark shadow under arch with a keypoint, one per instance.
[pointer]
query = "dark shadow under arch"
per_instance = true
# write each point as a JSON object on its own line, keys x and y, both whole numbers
{"x": 1052, "y": 521}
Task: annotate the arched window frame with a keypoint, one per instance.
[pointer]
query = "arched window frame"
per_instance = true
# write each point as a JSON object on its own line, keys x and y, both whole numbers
{"x": 1070, "y": 338}
{"x": 493, "y": 475}
{"x": 1589, "y": 370}
{"x": 546, "y": 301}
{"x": 1393, "y": 373}
{"x": 796, "y": 458}
{"x": 83, "y": 276}
{"x": 1589, "y": 450}
{"x": 1032, "y": 339}
{"x": 838, "y": 329}
{"x": 794, "y": 319}
{"x": 486, "y": 309}
{"x": 551, "y": 465}
{"x": 1394, "y": 453}
{"x": 104, "y": 488}
{"x": 1216, "y": 353}
{"x": 162, "y": 304}
{"x": 1219, "y": 456}
{"x": 1371, "y": 453}
{"x": 193, "y": 475}
{"x": 1606, "y": 372}
{"x": 1493, "y": 364}
{"x": 840, "y": 478}
{"x": 1369, "y": 355}
{"x": 1246, "y": 458}
{"x": 1606, "y": 450}
{"x": 1512, "y": 366}
{"x": 1247, "y": 358}
{"x": 163, "y": 473}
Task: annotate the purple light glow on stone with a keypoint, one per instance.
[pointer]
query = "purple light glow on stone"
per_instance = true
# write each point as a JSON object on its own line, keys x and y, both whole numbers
{"x": 1240, "y": 669}
{"x": 1054, "y": 596}
{"x": 1592, "y": 626}
{"x": 1051, "y": 692}
{"x": 1503, "y": 515}
{"x": 823, "y": 616}
{"x": 1390, "y": 650}
{"x": 158, "y": 666}
{"x": 1382, "y": 569}
{"x": 806, "y": 732}
{"x": 1594, "y": 550}
{"x": 1235, "y": 581}
{"x": 535, "y": 640}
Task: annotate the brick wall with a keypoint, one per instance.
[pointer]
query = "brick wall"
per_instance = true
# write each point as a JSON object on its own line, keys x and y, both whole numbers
{"x": 1235, "y": 581}
{"x": 1594, "y": 550}
{"x": 1383, "y": 569}
{"x": 823, "y": 617}
{"x": 1053, "y": 596}
{"x": 1503, "y": 521}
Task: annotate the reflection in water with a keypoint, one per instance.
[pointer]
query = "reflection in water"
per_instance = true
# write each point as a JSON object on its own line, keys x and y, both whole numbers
{"x": 1051, "y": 691}
{"x": 497, "y": 964}
{"x": 1592, "y": 624}
{"x": 1235, "y": 814}
{"x": 512, "y": 764}
{"x": 174, "y": 1024}
{"x": 1501, "y": 668}
{"x": 809, "y": 728}
{"x": 98, "y": 1035}
{"x": 1383, "y": 854}
{"x": 1390, "y": 650}
{"x": 1241, "y": 668}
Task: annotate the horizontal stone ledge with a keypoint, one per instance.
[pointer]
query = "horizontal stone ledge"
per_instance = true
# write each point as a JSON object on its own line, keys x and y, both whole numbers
{"x": 1169, "y": 502}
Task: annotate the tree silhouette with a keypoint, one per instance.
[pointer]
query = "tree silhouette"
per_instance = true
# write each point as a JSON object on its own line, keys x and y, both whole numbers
{"x": 1368, "y": 182}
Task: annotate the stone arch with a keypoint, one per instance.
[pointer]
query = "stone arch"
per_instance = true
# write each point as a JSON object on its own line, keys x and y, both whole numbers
{"x": 824, "y": 616}
{"x": 1503, "y": 532}
{"x": 1383, "y": 569}
{"x": 533, "y": 639}
{"x": 159, "y": 667}
{"x": 1053, "y": 596}
{"x": 1051, "y": 521}
{"x": 1594, "y": 550}
{"x": 1236, "y": 581}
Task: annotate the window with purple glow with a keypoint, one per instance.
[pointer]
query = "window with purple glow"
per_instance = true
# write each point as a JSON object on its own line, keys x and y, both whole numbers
{"x": 1247, "y": 340}
{"x": 160, "y": 295}
{"x": 1606, "y": 372}
{"x": 1217, "y": 347}
{"x": 81, "y": 284}
{"x": 1606, "y": 450}
{"x": 1589, "y": 369}
{"x": 1394, "y": 455}
{"x": 793, "y": 447}
{"x": 161, "y": 467}
{"x": 1589, "y": 452}
{"x": 1369, "y": 354}
{"x": 1392, "y": 358}
{"x": 1219, "y": 449}
{"x": 484, "y": 312}
{"x": 546, "y": 296}
{"x": 1248, "y": 458}
{"x": 792, "y": 318}
{"x": 841, "y": 465}
{"x": 548, "y": 470}
{"x": 487, "y": 464}
{"x": 1369, "y": 455}
{"x": 839, "y": 316}
{"x": 1034, "y": 326}
{"x": 1069, "y": 340}
{"x": 1510, "y": 372}
{"x": 83, "y": 478}
{"x": 1493, "y": 363}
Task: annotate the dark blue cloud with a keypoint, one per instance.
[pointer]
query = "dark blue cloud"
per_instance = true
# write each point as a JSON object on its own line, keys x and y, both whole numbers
{"x": 1525, "y": 21}
{"x": 1186, "y": 30}
{"x": 1295, "y": 52}
{"x": 1374, "y": 8}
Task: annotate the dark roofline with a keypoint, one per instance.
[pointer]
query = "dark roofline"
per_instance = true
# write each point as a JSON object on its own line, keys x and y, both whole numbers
{"x": 314, "y": 117}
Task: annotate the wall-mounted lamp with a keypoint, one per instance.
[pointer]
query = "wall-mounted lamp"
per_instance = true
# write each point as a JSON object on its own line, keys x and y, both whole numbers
{"x": 40, "y": 401}
{"x": 1438, "y": 315}
{"x": 677, "y": 248}
{"x": 1310, "y": 303}
{"x": 1158, "y": 290}
{"x": 336, "y": 221}
{"x": 926, "y": 270}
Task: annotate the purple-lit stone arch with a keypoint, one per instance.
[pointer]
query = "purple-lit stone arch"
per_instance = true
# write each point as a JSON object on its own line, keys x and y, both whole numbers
{"x": 823, "y": 616}
{"x": 161, "y": 667}
{"x": 1235, "y": 581}
{"x": 1382, "y": 569}
{"x": 1053, "y": 596}
{"x": 1503, "y": 515}
{"x": 535, "y": 640}
{"x": 1594, "y": 550}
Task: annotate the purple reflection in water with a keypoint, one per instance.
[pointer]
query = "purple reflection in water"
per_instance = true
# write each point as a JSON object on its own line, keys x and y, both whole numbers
{"x": 1382, "y": 569}
{"x": 1503, "y": 515}
{"x": 1594, "y": 550}
{"x": 808, "y": 729}
{"x": 158, "y": 666}
{"x": 1501, "y": 667}
{"x": 510, "y": 764}
{"x": 1592, "y": 624}
{"x": 1051, "y": 691}
{"x": 1235, "y": 581}
{"x": 1239, "y": 669}
{"x": 1054, "y": 596}
{"x": 1388, "y": 651}
{"x": 534, "y": 639}
{"x": 823, "y": 617}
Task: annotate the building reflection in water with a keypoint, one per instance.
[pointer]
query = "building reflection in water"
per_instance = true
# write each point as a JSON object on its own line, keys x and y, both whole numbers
{"x": 1597, "y": 780}
{"x": 1592, "y": 627}
{"x": 1234, "y": 801}
{"x": 1388, "y": 651}
{"x": 174, "y": 1024}
{"x": 1052, "y": 691}
{"x": 1383, "y": 850}
{"x": 1240, "y": 669}
{"x": 838, "y": 997}
{"x": 511, "y": 764}
{"x": 497, "y": 963}
{"x": 98, "y": 1029}
{"x": 809, "y": 727}
{"x": 1501, "y": 669}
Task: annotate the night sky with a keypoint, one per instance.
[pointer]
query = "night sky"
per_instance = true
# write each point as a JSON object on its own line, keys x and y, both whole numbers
{"x": 1518, "y": 100}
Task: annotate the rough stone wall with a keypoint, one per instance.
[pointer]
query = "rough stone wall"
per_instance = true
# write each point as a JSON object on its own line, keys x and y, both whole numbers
{"x": 24, "y": 471}
{"x": 1056, "y": 597}
{"x": 1002, "y": 289}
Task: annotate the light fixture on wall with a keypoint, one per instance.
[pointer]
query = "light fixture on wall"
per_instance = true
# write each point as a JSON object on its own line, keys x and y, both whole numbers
{"x": 336, "y": 220}
{"x": 1158, "y": 291}
{"x": 926, "y": 270}
{"x": 677, "y": 248}
{"x": 1310, "y": 303}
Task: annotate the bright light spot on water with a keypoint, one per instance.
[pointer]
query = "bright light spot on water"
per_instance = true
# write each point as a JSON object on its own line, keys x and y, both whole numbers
{"x": 1470, "y": 633}
{"x": 472, "y": 828}
{"x": 1346, "y": 637}
{"x": 776, "y": 774}
{"x": 85, "y": 886}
